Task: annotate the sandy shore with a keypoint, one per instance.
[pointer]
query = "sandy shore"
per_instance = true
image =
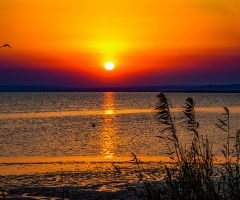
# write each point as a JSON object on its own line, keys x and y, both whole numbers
{"x": 76, "y": 177}
{"x": 71, "y": 177}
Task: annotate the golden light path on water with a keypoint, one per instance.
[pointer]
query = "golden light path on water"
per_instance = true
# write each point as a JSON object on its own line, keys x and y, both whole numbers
{"x": 73, "y": 113}
{"x": 107, "y": 112}
{"x": 108, "y": 136}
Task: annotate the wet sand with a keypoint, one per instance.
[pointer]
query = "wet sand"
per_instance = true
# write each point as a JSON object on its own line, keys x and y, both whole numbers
{"x": 72, "y": 177}
{"x": 77, "y": 177}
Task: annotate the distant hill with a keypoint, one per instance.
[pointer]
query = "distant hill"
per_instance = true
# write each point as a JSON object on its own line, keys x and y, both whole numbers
{"x": 167, "y": 88}
{"x": 216, "y": 88}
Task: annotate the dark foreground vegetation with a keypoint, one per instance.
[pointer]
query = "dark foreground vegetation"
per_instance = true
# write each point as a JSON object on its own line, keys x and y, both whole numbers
{"x": 192, "y": 174}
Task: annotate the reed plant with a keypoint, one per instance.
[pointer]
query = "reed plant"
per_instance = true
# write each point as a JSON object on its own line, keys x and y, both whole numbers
{"x": 3, "y": 194}
{"x": 230, "y": 177}
{"x": 191, "y": 174}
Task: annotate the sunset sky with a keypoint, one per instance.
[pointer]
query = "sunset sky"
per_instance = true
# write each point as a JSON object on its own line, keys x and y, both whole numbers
{"x": 150, "y": 42}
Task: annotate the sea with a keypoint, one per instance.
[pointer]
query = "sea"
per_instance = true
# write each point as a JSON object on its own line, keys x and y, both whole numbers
{"x": 104, "y": 125}
{"x": 42, "y": 133}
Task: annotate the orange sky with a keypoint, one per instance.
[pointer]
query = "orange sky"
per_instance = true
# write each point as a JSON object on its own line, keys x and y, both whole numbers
{"x": 146, "y": 38}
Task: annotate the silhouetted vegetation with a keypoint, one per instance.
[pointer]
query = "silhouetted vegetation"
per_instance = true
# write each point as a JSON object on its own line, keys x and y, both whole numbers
{"x": 3, "y": 194}
{"x": 192, "y": 173}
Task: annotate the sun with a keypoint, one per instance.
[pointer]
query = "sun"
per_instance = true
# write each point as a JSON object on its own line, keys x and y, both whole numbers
{"x": 109, "y": 66}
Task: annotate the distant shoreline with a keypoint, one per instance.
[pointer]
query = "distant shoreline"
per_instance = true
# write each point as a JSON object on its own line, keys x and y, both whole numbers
{"x": 233, "y": 88}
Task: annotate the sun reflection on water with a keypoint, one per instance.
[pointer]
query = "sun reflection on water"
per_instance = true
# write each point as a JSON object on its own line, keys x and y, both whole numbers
{"x": 108, "y": 137}
{"x": 109, "y": 112}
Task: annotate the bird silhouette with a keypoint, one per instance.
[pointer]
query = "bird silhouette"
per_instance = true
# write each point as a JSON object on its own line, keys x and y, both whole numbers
{"x": 6, "y": 45}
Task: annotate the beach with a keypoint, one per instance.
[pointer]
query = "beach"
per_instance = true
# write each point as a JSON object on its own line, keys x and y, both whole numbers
{"x": 80, "y": 177}
{"x": 72, "y": 178}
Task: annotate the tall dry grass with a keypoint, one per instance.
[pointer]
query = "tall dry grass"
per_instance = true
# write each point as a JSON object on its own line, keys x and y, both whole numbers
{"x": 191, "y": 174}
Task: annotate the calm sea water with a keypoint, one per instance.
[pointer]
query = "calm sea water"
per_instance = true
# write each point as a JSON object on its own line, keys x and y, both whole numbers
{"x": 60, "y": 124}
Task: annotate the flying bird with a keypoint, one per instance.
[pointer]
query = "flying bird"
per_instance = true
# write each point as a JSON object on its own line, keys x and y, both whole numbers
{"x": 6, "y": 45}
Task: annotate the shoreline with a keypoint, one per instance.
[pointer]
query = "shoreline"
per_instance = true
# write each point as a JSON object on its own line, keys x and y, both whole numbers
{"x": 32, "y": 160}
{"x": 80, "y": 179}
{"x": 77, "y": 177}
{"x": 31, "y": 165}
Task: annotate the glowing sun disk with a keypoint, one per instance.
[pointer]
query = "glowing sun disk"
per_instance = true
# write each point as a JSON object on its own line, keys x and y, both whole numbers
{"x": 109, "y": 65}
